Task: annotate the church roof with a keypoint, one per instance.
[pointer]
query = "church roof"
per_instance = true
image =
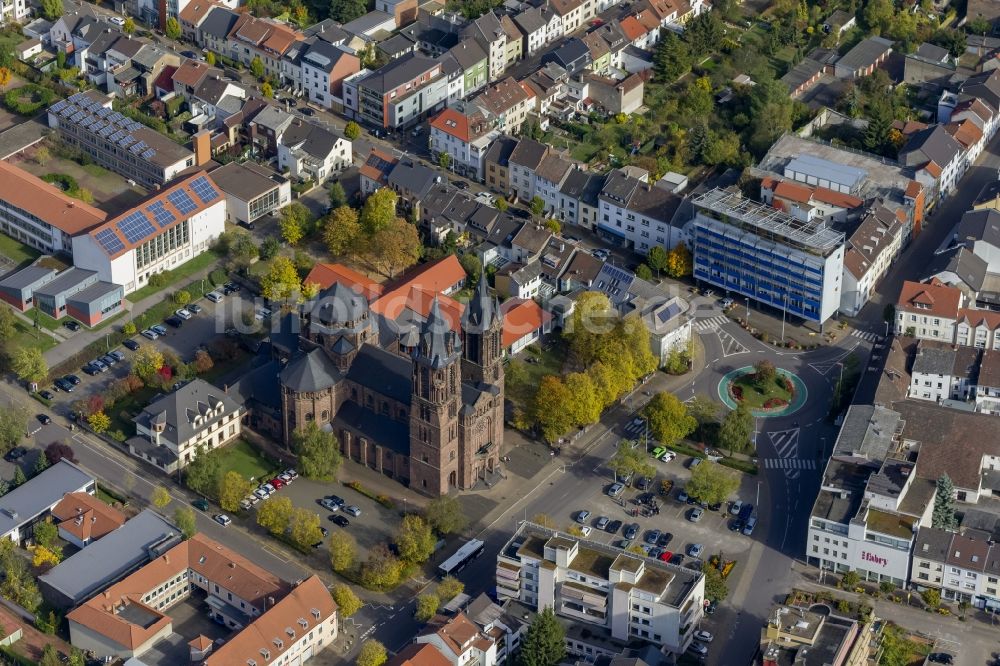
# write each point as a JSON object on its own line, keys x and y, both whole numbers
{"x": 481, "y": 310}
{"x": 312, "y": 371}
{"x": 437, "y": 341}
{"x": 382, "y": 430}
{"x": 383, "y": 372}
{"x": 340, "y": 304}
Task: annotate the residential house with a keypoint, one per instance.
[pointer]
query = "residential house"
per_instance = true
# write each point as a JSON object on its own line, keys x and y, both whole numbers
{"x": 418, "y": 654}
{"x": 987, "y": 395}
{"x": 614, "y": 96}
{"x": 524, "y": 159}
{"x": 399, "y": 94}
{"x": 465, "y": 133}
{"x": 192, "y": 16}
{"x": 514, "y": 46}
{"x": 961, "y": 566}
{"x": 496, "y": 164}
{"x": 808, "y": 202}
{"x": 24, "y": 506}
{"x": 550, "y": 176}
{"x": 403, "y": 12}
{"x": 474, "y": 63}
{"x": 213, "y": 31}
{"x": 959, "y": 267}
{"x": 489, "y": 32}
{"x": 375, "y": 171}
{"x": 871, "y": 249}
{"x": 412, "y": 182}
{"x": 573, "y": 56}
{"x": 266, "y": 128}
{"x": 508, "y": 102}
{"x": 519, "y": 281}
{"x": 985, "y": 87}
{"x": 932, "y": 372}
{"x": 311, "y": 151}
{"x": 264, "y": 39}
{"x": 324, "y": 67}
{"x": 578, "y": 198}
{"x": 928, "y": 310}
{"x": 533, "y": 26}
{"x": 82, "y": 518}
{"x": 371, "y": 25}
{"x": 979, "y": 231}
{"x": 669, "y": 322}
{"x": 636, "y": 214}
{"x": 935, "y": 152}
{"x": 459, "y": 640}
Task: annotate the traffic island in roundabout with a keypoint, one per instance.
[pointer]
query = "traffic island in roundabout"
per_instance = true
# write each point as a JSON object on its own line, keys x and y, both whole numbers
{"x": 765, "y": 390}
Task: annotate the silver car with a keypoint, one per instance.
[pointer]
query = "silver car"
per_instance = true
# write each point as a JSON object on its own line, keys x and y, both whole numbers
{"x": 353, "y": 510}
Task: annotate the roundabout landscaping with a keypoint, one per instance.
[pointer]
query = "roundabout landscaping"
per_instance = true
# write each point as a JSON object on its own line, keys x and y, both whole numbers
{"x": 765, "y": 390}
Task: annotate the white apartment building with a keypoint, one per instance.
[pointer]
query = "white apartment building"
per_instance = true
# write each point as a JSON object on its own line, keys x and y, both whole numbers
{"x": 313, "y": 152}
{"x": 928, "y": 310}
{"x": 463, "y": 132}
{"x": 14, "y": 11}
{"x": 168, "y": 229}
{"x": 942, "y": 371}
{"x": 871, "y": 249}
{"x": 961, "y": 566}
{"x": 523, "y": 162}
{"x": 615, "y": 594}
{"x": 635, "y": 214}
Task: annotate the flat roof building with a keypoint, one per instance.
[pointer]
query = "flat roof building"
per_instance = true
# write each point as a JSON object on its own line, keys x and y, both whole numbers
{"x": 251, "y": 190}
{"x": 79, "y": 293}
{"x": 18, "y": 288}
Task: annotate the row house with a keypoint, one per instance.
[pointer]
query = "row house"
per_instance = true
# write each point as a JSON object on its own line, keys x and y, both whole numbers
{"x": 552, "y": 94}
{"x": 508, "y": 102}
{"x": 987, "y": 393}
{"x": 192, "y": 16}
{"x": 375, "y": 171}
{"x": 928, "y": 310}
{"x": 937, "y": 158}
{"x": 514, "y": 46}
{"x": 539, "y": 26}
{"x": 465, "y": 133}
{"x": 942, "y": 371}
{"x": 550, "y": 175}
{"x": 398, "y": 95}
{"x": 323, "y": 67}
{"x": 870, "y": 250}
{"x": 635, "y": 214}
{"x": 489, "y": 33}
{"x": 251, "y": 37}
{"x": 962, "y": 566}
{"x": 525, "y": 158}
{"x": 970, "y": 137}
{"x": 473, "y": 61}
{"x": 214, "y": 29}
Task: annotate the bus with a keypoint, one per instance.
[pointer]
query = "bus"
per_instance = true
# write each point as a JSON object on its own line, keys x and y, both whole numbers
{"x": 469, "y": 551}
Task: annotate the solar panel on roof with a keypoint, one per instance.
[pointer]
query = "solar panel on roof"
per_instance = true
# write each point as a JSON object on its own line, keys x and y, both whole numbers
{"x": 181, "y": 201}
{"x": 136, "y": 227}
{"x": 149, "y": 153}
{"x": 58, "y": 106}
{"x": 204, "y": 190}
{"x": 139, "y": 147}
{"x": 669, "y": 312}
{"x": 125, "y": 140}
{"x": 161, "y": 215}
{"x": 109, "y": 241}
{"x": 104, "y": 111}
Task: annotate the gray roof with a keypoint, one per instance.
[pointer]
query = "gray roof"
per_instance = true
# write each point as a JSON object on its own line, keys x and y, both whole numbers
{"x": 244, "y": 183}
{"x": 968, "y": 266}
{"x": 985, "y": 86}
{"x": 530, "y": 21}
{"x": 398, "y": 43}
{"x": 528, "y": 153}
{"x": 574, "y": 55}
{"x": 802, "y": 72}
{"x": 933, "y": 358}
{"x": 412, "y": 177}
{"x": 260, "y": 386}
{"x": 323, "y": 55}
{"x": 339, "y": 305}
{"x": 219, "y": 22}
{"x": 468, "y": 53}
{"x": 26, "y": 277}
{"x": 29, "y": 501}
{"x": 933, "y": 52}
{"x": 933, "y": 143}
{"x": 179, "y": 409}
{"x": 867, "y": 432}
{"x": 378, "y": 428}
{"x": 111, "y": 558}
{"x": 383, "y": 372}
{"x": 312, "y": 371}
{"x": 149, "y": 55}
{"x": 68, "y": 280}
{"x": 401, "y": 70}
{"x": 315, "y": 139}
{"x": 865, "y": 53}
{"x": 932, "y": 544}
{"x": 95, "y": 292}
{"x": 213, "y": 88}
{"x": 979, "y": 225}
{"x": 272, "y": 117}
{"x": 365, "y": 23}
{"x": 500, "y": 150}
{"x": 328, "y": 30}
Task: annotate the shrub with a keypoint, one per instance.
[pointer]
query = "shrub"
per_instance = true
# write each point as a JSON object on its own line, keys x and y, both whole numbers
{"x": 28, "y": 99}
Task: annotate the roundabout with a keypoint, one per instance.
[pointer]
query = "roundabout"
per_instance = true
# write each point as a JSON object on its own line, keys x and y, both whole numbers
{"x": 774, "y": 400}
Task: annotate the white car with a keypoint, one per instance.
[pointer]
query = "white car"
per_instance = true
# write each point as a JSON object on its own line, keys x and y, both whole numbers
{"x": 253, "y": 499}
{"x": 261, "y": 493}
{"x": 353, "y": 510}
{"x": 668, "y": 456}
{"x": 586, "y": 530}
{"x": 736, "y": 507}
{"x": 697, "y": 648}
{"x": 292, "y": 473}
{"x": 703, "y": 636}
{"x": 214, "y": 296}
{"x": 269, "y": 489}
{"x": 287, "y": 478}
{"x": 117, "y": 20}
{"x": 183, "y": 313}
{"x": 150, "y": 333}
{"x": 245, "y": 504}
{"x": 223, "y": 519}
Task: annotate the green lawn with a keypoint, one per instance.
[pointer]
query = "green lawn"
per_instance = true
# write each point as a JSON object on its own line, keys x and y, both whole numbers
{"x": 19, "y": 253}
{"x": 43, "y": 319}
{"x": 172, "y": 278}
{"x": 243, "y": 458}
{"x": 27, "y": 336}
{"x": 755, "y": 396}
{"x": 128, "y": 407}
{"x": 536, "y": 363}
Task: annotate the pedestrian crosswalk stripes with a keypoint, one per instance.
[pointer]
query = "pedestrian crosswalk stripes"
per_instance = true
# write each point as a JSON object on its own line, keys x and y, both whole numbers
{"x": 787, "y": 463}
{"x": 705, "y": 325}
{"x": 865, "y": 335}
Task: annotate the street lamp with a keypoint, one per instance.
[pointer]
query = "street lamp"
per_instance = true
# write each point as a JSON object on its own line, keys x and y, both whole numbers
{"x": 748, "y": 309}
{"x": 784, "y": 306}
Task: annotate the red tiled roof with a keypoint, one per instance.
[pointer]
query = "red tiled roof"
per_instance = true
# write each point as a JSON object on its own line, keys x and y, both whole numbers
{"x": 378, "y": 166}
{"x": 453, "y": 123}
{"x": 930, "y": 298}
{"x": 521, "y": 317}
{"x": 326, "y": 275}
{"x": 419, "y": 654}
{"x": 165, "y": 81}
{"x": 47, "y": 202}
{"x": 913, "y": 189}
{"x": 632, "y": 28}
{"x": 933, "y": 169}
{"x": 965, "y": 132}
{"x": 86, "y": 517}
{"x": 433, "y": 278}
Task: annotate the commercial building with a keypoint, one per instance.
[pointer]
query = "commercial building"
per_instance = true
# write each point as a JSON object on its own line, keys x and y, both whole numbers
{"x": 18, "y": 289}
{"x": 23, "y": 507}
{"x": 39, "y": 214}
{"x": 86, "y": 121}
{"x": 802, "y": 636}
{"x": 251, "y": 190}
{"x": 169, "y": 228}
{"x": 79, "y": 293}
{"x": 613, "y": 594}
{"x": 176, "y": 427}
{"x": 398, "y": 95}
{"x": 747, "y": 248}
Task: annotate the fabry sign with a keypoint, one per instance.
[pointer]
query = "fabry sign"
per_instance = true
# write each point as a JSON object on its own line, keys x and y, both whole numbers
{"x": 870, "y": 557}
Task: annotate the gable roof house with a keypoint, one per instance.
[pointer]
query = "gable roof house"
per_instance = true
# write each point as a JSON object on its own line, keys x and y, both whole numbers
{"x": 862, "y": 60}
{"x": 871, "y": 249}
{"x": 491, "y": 36}
{"x": 82, "y": 518}
{"x": 31, "y": 502}
{"x": 937, "y": 157}
{"x": 928, "y": 310}
{"x": 508, "y": 103}
{"x": 251, "y": 37}
{"x": 523, "y": 161}
{"x": 464, "y": 132}
{"x": 214, "y": 29}
{"x": 192, "y": 16}
{"x": 324, "y": 67}
{"x": 311, "y": 151}
{"x": 534, "y": 27}
{"x": 376, "y": 169}
{"x": 459, "y": 640}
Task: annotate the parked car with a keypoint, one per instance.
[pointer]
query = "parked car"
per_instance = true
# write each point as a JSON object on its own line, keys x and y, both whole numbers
{"x": 664, "y": 540}
{"x": 64, "y": 385}
{"x": 261, "y": 493}
{"x": 200, "y": 504}
{"x": 736, "y": 507}
{"x": 72, "y": 379}
{"x": 159, "y": 328}
{"x": 353, "y": 510}
{"x": 940, "y": 658}
{"x": 48, "y": 395}
{"x": 631, "y": 531}
{"x": 613, "y": 527}
{"x": 131, "y": 344}
{"x": 327, "y": 504}
{"x": 643, "y": 483}
{"x": 91, "y": 369}
{"x": 174, "y": 321}
{"x": 306, "y": 111}
{"x": 602, "y": 522}
{"x": 214, "y": 296}
{"x": 694, "y": 463}
{"x": 695, "y": 514}
{"x": 245, "y": 504}
{"x": 682, "y": 495}
{"x": 117, "y": 355}
{"x": 223, "y": 519}
{"x": 582, "y": 516}
{"x": 183, "y": 313}
{"x": 699, "y": 649}
{"x": 277, "y": 483}
{"x": 99, "y": 364}
{"x": 109, "y": 360}
{"x": 585, "y": 531}
{"x": 336, "y": 500}
{"x": 189, "y": 54}
{"x": 117, "y": 20}
{"x": 704, "y": 636}
{"x": 15, "y": 454}
{"x": 150, "y": 334}
{"x": 750, "y": 524}
{"x": 616, "y": 489}
{"x": 746, "y": 511}
{"x": 726, "y": 303}
{"x": 652, "y": 536}
{"x": 72, "y": 325}
{"x": 292, "y": 473}
{"x": 338, "y": 519}
{"x": 659, "y": 451}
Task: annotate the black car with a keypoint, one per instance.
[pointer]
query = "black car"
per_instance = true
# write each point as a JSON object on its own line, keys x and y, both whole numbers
{"x": 715, "y": 507}
{"x": 71, "y": 325}
{"x": 338, "y": 519}
{"x": 48, "y": 395}
{"x": 15, "y": 454}
{"x": 940, "y": 658}
{"x": 338, "y": 501}
{"x": 131, "y": 344}
{"x": 746, "y": 512}
{"x": 306, "y": 111}
{"x": 175, "y": 322}
{"x": 520, "y": 212}
{"x": 460, "y": 184}
{"x": 677, "y": 558}
{"x": 232, "y": 286}
{"x": 190, "y": 54}
{"x": 664, "y": 539}
{"x": 91, "y": 370}
{"x": 643, "y": 483}
{"x": 72, "y": 379}
{"x": 64, "y": 385}
{"x": 43, "y": 419}
{"x": 613, "y": 527}
{"x": 631, "y": 531}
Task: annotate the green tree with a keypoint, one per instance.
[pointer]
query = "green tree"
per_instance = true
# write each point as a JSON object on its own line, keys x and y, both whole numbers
{"x": 449, "y": 588}
{"x": 736, "y": 429}
{"x": 173, "y": 28}
{"x": 352, "y": 130}
{"x": 257, "y": 67}
{"x": 372, "y": 653}
{"x": 704, "y": 410}
{"x": 52, "y": 9}
{"x": 427, "y": 606}
{"x": 281, "y": 281}
{"x": 680, "y": 263}
{"x": 445, "y": 515}
{"x": 19, "y": 478}
{"x": 382, "y": 569}
{"x": 338, "y": 197}
{"x": 501, "y": 204}
{"x": 344, "y": 11}
{"x": 711, "y": 482}
{"x": 203, "y": 473}
{"x": 586, "y": 406}
{"x": 99, "y": 422}
{"x": 943, "y": 516}
{"x": 294, "y": 222}
{"x": 129, "y": 27}
{"x": 876, "y": 135}
{"x": 8, "y": 323}
{"x": 644, "y": 272}
{"x": 47, "y": 534}
{"x": 50, "y": 656}
{"x": 274, "y": 514}
{"x": 672, "y": 58}
{"x": 343, "y": 550}
{"x": 347, "y": 601}
{"x": 267, "y": 90}
{"x": 978, "y": 26}
{"x": 630, "y": 459}
{"x": 305, "y": 527}
{"x": 76, "y": 658}
{"x": 29, "y": 364}
{"x": 393, "y": 248}
{"x": 850, "y": 579}
{"x": 715, "y": 584}
{"x": 473, "y": 267}
{"x": 537, "y": 206}
{"x": 233, "y": 487}
{"x": 444, "y": 159}
{"x": 552, "y": 408}
{"x": 668, "y": 418}
{"x": 160, "y": 497}
{"x": 18, "y": 583}
{"x": 545, "y": 643}
{"x": 319, "y": 455}
{"x": 182, "y": 297}
{"x": 269, "y": 248}
{"x": 764, "y": 373}
{"x": 379, "y": 211}
{"x": 592, "y": 319}
{"x": 129, "y": 328}
{"x": 12, "y": 426}
{"x": 342, "y": 231}
{"x": 146, "y": 362}
{"x": 210, "y": 58}
{"x": 658, "y": 259}
{"x": 414, "y": 539}
{"x": 931, "y": 597}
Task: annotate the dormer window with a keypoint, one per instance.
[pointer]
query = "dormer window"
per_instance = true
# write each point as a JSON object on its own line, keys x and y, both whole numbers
{"x": 278, "y": 643}
{"x": 264, "y": 652}
{"x": 315, "y": 613}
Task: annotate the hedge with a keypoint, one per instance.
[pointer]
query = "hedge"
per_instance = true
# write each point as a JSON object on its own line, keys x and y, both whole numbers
{"x": 37, "y": 97}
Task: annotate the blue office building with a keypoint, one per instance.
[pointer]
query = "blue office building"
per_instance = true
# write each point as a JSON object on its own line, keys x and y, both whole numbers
{"x": 751, "y": 250}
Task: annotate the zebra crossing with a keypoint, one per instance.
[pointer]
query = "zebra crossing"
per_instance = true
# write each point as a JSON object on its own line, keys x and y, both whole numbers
{"x": 635, "y": 430}
{"x": 788, "y": 463}
{"x": 867, "y": 336}
{"x": 710, "y": 324}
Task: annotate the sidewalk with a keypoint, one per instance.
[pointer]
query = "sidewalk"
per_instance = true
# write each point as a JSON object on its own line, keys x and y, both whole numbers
{"x": 75, "y": 344}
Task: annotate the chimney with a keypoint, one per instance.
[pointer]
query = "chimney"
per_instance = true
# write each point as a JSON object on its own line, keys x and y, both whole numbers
{"x": 202, "y": 147}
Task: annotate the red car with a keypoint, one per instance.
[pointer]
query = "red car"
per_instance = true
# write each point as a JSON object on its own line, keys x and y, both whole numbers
{"x": 666, "y": 555}
{"x": 277, "y": 483}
